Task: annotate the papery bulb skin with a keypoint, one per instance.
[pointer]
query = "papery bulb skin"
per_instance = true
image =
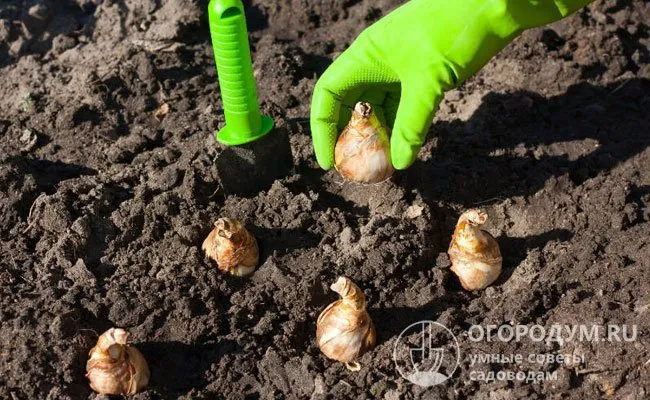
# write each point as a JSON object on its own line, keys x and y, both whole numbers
{"x": 474, "y": 253}
{"x": 116, "y": 368}
{"x": 344, "y": 330}
{"x": 362, "y": 152}
{"x": 232, "y": 247}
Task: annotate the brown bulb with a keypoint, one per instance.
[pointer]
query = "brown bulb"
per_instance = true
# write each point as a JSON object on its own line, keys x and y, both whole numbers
{"x": 362, "y": 152}
{"x": 115, "y": 367}
{"x": 232, "y": 247}
{"x": 344, "y": 330}
{"x": 474, "y": 253}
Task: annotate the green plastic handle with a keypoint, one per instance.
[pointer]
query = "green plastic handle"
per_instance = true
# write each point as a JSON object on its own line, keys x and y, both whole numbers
{"x": 244, "y": 123}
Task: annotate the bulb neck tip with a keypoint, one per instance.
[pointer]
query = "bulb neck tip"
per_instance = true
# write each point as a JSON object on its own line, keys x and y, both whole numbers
{"x": 363, "y": 109}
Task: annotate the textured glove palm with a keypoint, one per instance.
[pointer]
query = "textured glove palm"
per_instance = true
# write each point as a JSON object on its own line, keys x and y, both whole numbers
{"x": 403, "y": 63}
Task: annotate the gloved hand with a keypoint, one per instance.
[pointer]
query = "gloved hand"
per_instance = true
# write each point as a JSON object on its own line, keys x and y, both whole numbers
{"x": 403, "y": 63}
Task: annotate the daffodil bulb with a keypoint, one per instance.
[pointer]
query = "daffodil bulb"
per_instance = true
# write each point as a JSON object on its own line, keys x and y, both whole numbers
{"x": 232, "y": 247}
{"x": 344, "y": 330}
{"x": 474, "y": 253}
{"x": 114, "y": 367}
{"x": 362, "y": 152}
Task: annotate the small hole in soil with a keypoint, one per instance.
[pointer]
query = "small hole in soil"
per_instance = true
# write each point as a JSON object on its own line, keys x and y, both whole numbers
{"x": 86, "y": 114}
{"x": 453, "y": 284}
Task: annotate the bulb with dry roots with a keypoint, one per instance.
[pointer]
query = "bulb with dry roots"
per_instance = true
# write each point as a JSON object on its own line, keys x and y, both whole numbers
{"x": 362, "y": 152}
{"x": 344, "y": 330}
{"x": 474, "y": 253}
{"x": 232, "y": 247}
{"x": 115, "y": 367}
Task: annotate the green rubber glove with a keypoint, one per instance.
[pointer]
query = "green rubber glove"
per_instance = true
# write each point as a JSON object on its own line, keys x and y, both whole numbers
{"x": 403, "y": 63}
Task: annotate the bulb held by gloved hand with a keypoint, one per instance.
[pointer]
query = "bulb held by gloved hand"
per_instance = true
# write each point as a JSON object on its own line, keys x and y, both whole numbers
{"x": 344, "y": 330}
{"x": 115, "y": 367}
{"x": 362, "y": 152}
{"x": 474, "y": 253}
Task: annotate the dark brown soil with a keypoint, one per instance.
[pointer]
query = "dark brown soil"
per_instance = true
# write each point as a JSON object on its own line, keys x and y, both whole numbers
{"x": 103, "y": 208}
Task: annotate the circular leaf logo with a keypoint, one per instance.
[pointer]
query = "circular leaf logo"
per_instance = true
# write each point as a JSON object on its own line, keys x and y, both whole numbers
{"x": 426, "y": 353}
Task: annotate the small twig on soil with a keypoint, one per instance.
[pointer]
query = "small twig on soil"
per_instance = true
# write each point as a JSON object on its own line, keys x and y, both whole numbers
{"x": 88, "y": 330}
{"x": 111, "y": 68}
{"x": 619, "y": 87}
{"x": 647, "y": 362}
{"x": 102, "y": 135}
{"x": 620, "y": 303}
{"x": 589, "y": 371}
{"x": 215, "y": 192}
{"x": 103, "y": 86}
{"x": 31, "y": 210}
{"x": 345, "y": 383}
{"x": 489, "y": 200}
{"x": 155, "y": 46}
{"x": 161, "y": 92}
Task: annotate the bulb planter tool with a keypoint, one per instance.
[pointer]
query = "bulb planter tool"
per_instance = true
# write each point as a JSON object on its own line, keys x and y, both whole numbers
{"x": 244, "y": 123}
